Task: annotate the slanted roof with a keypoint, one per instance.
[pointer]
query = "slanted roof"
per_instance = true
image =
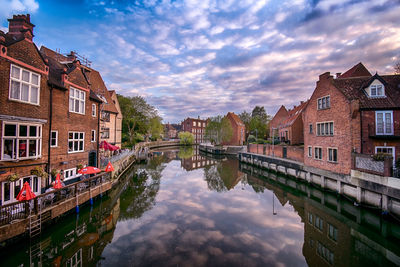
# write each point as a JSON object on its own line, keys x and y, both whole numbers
{"x": 293, "y": 114}
{"x": 353, "y": 88}
{"x": 358, "y": 70}
{"x": 235, "y": 118}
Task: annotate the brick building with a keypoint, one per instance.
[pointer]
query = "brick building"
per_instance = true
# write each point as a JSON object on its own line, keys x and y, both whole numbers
{"x": 279, "y": 117}
{"x": 170, "y": 131}
{"x": 354, "y": 112}
{"x": 118, "y": 120}
{"x": 195, "y": 126}
{"x": 238, "y": 128}
{"x": 24, "y": 109}
{"x": 289, "y": 125}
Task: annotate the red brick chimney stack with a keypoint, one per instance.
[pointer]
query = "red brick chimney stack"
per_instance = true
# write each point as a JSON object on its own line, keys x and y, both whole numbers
{"x": 20, "y": 25}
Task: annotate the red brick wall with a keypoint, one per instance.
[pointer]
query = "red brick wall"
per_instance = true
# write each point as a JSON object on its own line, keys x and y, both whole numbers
{"x": 237, "y": 133}
{"x": 292, "y": 152}
{"x": 368, "y": 127}
{"x": 187, "y": 126}
{"x": 277, "y": 119}
{"x": 344, "y": 135}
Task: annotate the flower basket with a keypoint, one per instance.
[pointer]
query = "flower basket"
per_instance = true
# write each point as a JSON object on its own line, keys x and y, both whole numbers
{"x": 13, "y": 177}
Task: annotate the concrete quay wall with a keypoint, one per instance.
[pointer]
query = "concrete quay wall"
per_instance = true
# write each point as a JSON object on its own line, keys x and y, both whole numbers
{"x": 367, "y": 189}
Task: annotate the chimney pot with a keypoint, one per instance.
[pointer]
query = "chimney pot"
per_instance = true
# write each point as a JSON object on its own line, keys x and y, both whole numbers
{"x": 19, "y": 25}
{"x": 338, "y": 74}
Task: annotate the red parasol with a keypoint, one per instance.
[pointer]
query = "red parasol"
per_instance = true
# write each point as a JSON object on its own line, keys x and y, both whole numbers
{"x": 28, "y": 193}
{"x": 89, "y": 170}
{"x": 57, "y": 183}
{"x": 109, "y": 167}
{"x": 107, "y": 146}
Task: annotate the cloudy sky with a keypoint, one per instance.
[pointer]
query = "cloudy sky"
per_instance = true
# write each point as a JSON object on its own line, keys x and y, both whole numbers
{"x": 208, "y": 57}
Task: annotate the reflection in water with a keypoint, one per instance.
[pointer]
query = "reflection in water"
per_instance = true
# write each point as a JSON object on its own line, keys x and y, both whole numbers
{"x": 202, "y": 211}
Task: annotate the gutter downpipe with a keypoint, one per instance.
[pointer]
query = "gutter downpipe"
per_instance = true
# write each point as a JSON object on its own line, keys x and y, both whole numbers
{"x": 50, "y": 125}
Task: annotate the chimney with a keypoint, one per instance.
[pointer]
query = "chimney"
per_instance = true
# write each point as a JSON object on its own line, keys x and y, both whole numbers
{"x": 198, "y": 117}
{"x": 21, "y": 26}
{"x": 338, "y": 74}
{"x": 301, "y": 102}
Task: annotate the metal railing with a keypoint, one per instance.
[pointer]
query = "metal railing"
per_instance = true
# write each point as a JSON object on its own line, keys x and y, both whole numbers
{"x": 115, "y": 158}
{"x": 22, "y": 210}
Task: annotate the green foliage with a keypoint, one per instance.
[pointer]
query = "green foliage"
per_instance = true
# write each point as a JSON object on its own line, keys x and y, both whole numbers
{"x": 39, "y": 172}
{"x": 251, "y": 139}
{"x": 397, "y": 164}
{"x": 381, "y": 156}
{"x": 139, "y": 117}
{"x": 219, "y": 130}
{"x": 186, "y": 138}
{"x": 256, "y": 122}
{"x": 185, "y": 152}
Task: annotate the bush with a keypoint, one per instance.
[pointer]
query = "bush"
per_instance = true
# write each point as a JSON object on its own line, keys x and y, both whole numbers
{"x": 186, "y": 138}
{"x": 251, "y": 139}
{"x": 381, "y": 156}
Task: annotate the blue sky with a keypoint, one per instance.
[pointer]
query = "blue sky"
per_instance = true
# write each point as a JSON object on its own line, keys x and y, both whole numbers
{"x": 208, "y": 57}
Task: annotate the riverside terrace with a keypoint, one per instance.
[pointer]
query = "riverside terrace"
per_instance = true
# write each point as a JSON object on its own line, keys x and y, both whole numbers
{"x": 20, "y": 217}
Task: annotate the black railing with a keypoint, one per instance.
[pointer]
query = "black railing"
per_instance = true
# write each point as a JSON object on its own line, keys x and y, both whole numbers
{"x": 21, "y": 210}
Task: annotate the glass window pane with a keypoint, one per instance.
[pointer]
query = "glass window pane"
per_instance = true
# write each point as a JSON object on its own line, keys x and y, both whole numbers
{"x": 70, "y": 146}
{"x": 17, "y": 188}
{"x": 72, "y": 92}
{"x": 22, "y": 148}
{"x": 35, "y": 79}
{"x": 71, "y": 104}
{"x": 33, "y": 131}
{"x": 15, "y": 72}
{"x": 76, "y": 145}
{"x": 7, "y": 191}
{"x": 81, "y": 135}
{"x": 34, "y": 95}
{"x": 25, "y": 92}
{"x": 15, "y": 90}
{"x": 23, "y": 130}
{"x": 76, "y": 105}
{"x": 76, "y": 135}
{"x": 10, "y": 130}
{"x": 8, "y": 150}
{"x": 81, "y": 145}
{"x": 81, "y": 107}
{"x": 32, "y": 148}
{"x": 71, "y": 136}
{"x": 83, "y": 95}
{"x": 25, "y": 76}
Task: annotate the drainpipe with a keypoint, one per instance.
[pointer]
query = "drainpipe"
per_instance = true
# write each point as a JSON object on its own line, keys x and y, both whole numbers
{"x": 50, "y": 126}
{"x": 115, "y": 130}
{"x": 98, "y": 134}
{"x": 361, "y": 137}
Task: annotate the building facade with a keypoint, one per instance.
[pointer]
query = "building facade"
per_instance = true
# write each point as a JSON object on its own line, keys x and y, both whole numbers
{"x": 238, "y": 129}
{"x": 195, "y": 126}
{"x": 118, "y": 120}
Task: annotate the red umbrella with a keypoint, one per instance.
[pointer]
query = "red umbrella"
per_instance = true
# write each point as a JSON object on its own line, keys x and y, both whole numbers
{"x": 105, "y": 145}
{"x": 57, "y": 183}
{"x": 89, "y": 170}
{"x": 28, "y": 193}
{"x": 109, "y": 167}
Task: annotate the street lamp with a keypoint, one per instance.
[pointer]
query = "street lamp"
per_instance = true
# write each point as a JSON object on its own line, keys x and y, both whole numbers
{"x": 273, "y": 141}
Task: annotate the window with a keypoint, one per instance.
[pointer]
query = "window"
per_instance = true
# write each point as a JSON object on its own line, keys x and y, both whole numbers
{"x": 194, "y": 123}
{"x": 70, "y": 174}
{"x": 332, "y": 232}
{"x": 10, "y": 190}
{"x": 377, "y": 90}
{"x": 77, "y": 101}
{"x": 21, "y": 141}
{"x": 75, "y": 260}
{"x": 54, "y": 138}
{"x": 93, "y": 138}
{"x": 310, "y": 151}
{"x": 105, "y": 133}
{"x": 324, "y": 102}
{"x": 24, "y": 85}
{"x": 325, "y": 253}
{"x": 93, "y": 110}
{"x": 204, "y": 125}
{"x": 310, "y": 128}
{"x": 332, "y": 154}
{"x": 105, "y": 116}
{"x": 319, "y": 223}
{"x": 76, "y": 142}
{"x": 318, "y": 153}
{"x": 310, "y": 218}
{"x": 384, "y": 122}
{"x": 325, "y": 128}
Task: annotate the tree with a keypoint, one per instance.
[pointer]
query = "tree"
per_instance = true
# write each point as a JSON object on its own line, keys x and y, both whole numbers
{"x": 259, "y": 121}
{"x": 156, "y": 128}
{"x": 219, "y": 130}
{"x": 397, "y": 68}
{"x": 139, "y": 117}
{"x": 246, "y": 118}
{"x": 186, "y": 138}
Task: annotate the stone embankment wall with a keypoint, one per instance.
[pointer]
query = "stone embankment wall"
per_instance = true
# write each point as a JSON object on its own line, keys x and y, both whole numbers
{"x": 368, "y": 189}
{"x": 292, "y": 152}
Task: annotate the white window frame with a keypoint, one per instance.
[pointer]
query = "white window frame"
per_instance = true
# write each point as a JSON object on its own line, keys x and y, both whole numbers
{"x": 329, "y": 155}
{"x": 320, "y": 131}
{"x": 386, "y": 147}
{"x": 74, "y": 139}
{"x": 308, "y": 151}
{"x": 79, "y": 99}
{"x": 93, "y": 110}
{"x": 16, "y": 139}
{"x": 321, "y": 105}
{"x": 51, "y": 137}
{"x": 19, "y": 183}
{"x": 315, "y": 154}
{"x": 384, "y": 112}
{"x": 376, "y": 87}
{"x": 93, "y": 136}
{"x": 29, "y": 84}
{"x": 105, "y": 130}
{"x": 72, "y": 173}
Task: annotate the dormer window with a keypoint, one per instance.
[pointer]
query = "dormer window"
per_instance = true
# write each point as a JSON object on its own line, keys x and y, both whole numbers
{"x": 377, "y": 90}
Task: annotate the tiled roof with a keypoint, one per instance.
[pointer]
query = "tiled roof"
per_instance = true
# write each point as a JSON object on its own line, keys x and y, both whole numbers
{"x": 358, "y": 70}
{"x": 293, "y": 114}
{"x": 353, "y": 88}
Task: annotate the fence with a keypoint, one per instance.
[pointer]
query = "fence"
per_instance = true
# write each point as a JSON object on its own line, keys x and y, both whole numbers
{"x": 366, "y": 163}
{"x": 115, "y": 158}
{"x": 23, "y": 209}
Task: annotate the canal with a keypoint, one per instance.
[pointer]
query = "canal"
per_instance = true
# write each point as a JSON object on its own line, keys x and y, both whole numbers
{"x": 182, "y": 208}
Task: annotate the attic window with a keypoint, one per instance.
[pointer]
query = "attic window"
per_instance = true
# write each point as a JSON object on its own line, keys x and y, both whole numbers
{"x": 377, "y": 90}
